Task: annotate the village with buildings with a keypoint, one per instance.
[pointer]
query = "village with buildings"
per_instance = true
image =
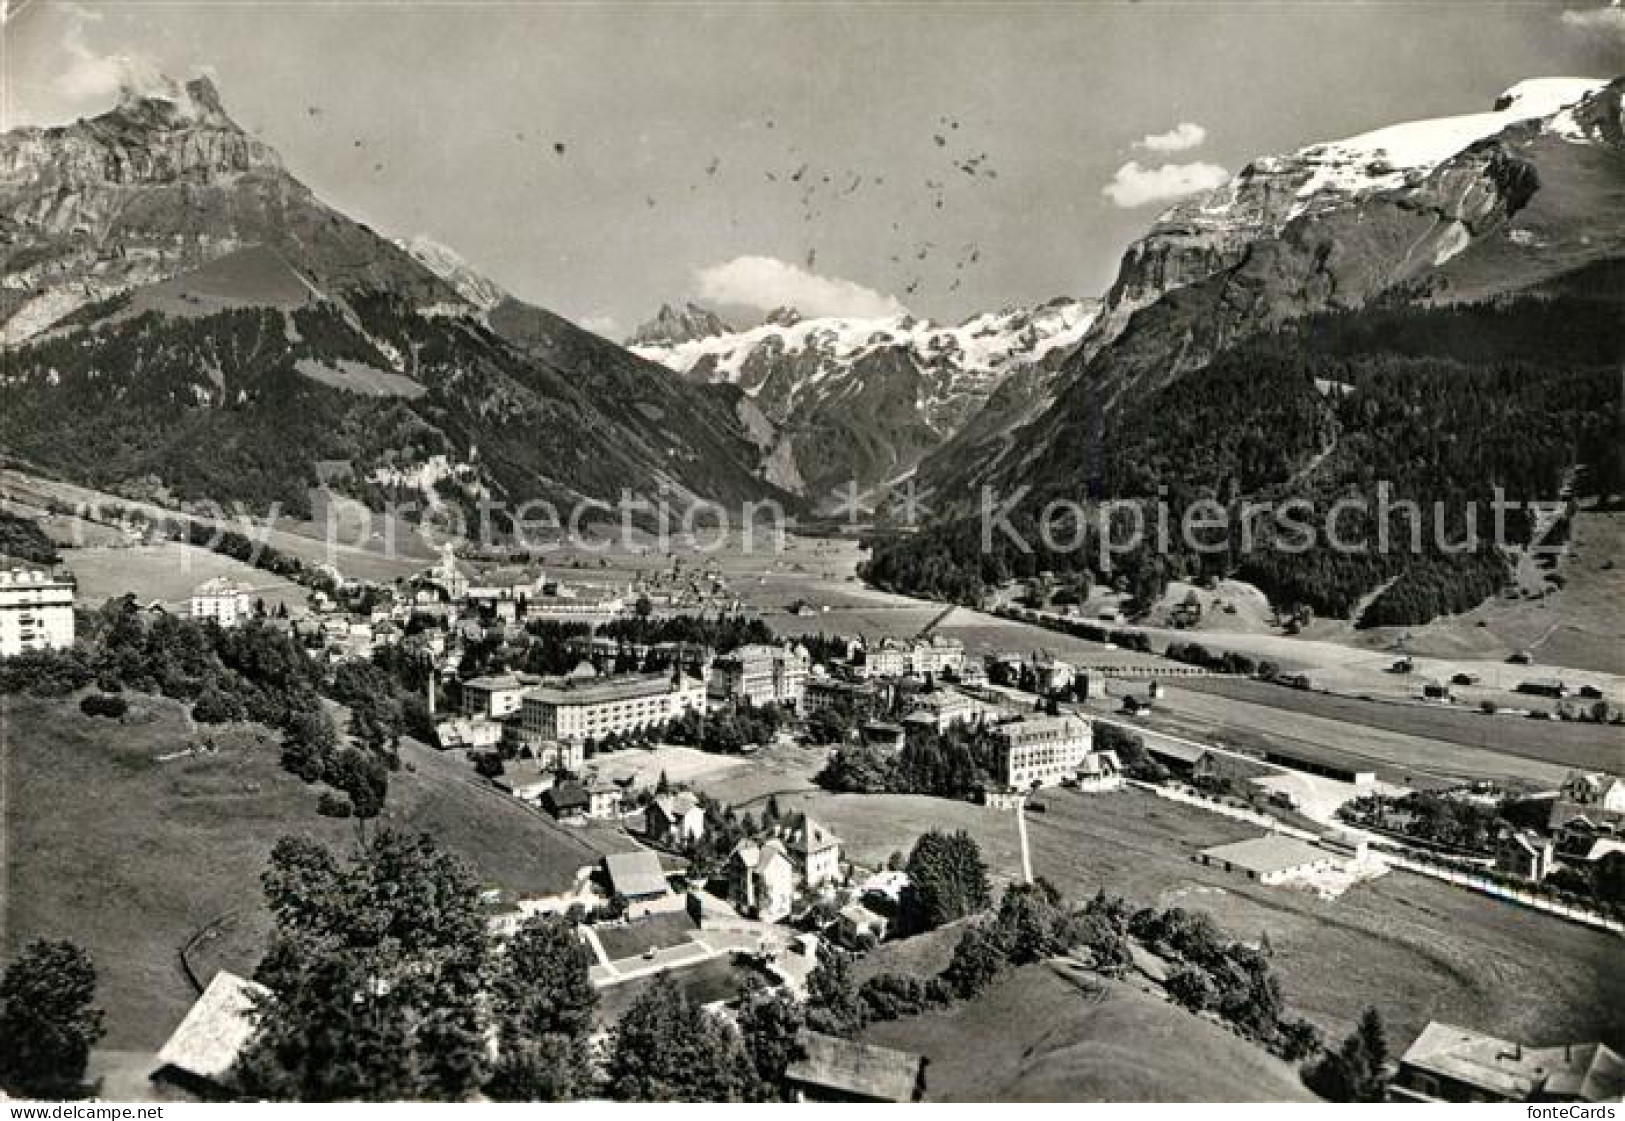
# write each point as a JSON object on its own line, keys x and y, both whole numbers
{"x": 698, "y": 881}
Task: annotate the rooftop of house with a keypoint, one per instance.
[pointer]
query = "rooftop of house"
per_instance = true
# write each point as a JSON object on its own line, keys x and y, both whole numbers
{"x": 1041, "y": 727}
{"x": 636, "y": 875}
{"x": 219, "y": 586}
{"x": 1263, "y": 855}
{"x": 567, "y": 795}
{"x": 214, "y": 1030}
{"x": 678, "y": 805}
{"x": 855, "y": 1069}
{"x": 599, "y": 690}
{"x": 1586, "y": 1071}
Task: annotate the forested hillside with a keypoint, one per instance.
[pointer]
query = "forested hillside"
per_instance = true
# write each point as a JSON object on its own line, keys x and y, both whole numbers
{"x": 1442, "y": 405}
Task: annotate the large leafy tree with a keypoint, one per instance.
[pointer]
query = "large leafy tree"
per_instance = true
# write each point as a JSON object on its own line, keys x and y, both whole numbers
{"x": 833, "y": 1006}
{"x": 1356, "y": 1071}
{"x": 48, "y": 1018}
{"x": 376, "y": 971}
{"x": 948, "y": 878}
{"x": 770, "y": 1022}
{"x": 666, "y": 1048}
{"x": 543, "y": 1003}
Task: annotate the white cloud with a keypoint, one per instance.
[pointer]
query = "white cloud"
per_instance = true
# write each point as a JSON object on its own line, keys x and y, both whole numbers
{"x": 91, "y": 81}
{"x": 605, "y": 326}
{"x": 766, "y": 283}
{"x": 1609, "y": 20}
{"x": 1180, "y": 138}
{"x": 1135, "y": 185}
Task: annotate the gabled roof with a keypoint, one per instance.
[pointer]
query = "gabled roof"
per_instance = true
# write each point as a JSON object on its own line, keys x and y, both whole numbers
{"x": 214, "y": 1030}
{"x": 635, "y": 874}
{"x": 854, "y": 1069}
{"x": 677, "y": 806}
{"x": 804, "y": 835}
{"x": 1586, "y": 1071}
{"x": 1270, "y": 853}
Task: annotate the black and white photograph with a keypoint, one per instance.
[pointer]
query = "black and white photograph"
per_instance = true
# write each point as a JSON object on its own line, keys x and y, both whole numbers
{"x": 756, "y": 551}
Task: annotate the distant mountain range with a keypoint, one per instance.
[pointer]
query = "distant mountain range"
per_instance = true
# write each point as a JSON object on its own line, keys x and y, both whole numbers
{"x": 863, "y": 399}
{"x": 1434, "y": 212}
{"x": 184, "y": 319}
{"x": 1438, "y": 304}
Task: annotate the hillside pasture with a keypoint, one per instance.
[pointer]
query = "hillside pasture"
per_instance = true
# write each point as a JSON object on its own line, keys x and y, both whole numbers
{"x": 133, "y": 858}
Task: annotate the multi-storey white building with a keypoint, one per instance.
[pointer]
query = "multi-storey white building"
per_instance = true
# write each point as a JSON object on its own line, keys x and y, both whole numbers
{"x": 594, "y": 707}
{"x": 225, "y": 601}
{"x": 1041, "y": 750}
{"x": 495, "y": 696}
{"x": 761, "y": 674}
{"x": 893, "y": 657}
{"x": 36, "y": 612}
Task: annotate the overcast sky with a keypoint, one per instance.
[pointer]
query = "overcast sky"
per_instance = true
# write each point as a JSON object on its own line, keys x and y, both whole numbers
{"x": 601, "y": 159}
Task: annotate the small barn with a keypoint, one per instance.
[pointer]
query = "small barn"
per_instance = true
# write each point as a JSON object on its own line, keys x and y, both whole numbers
{"x": 201, "y": 1055}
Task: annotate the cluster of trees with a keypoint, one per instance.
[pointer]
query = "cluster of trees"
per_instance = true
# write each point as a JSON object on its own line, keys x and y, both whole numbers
{"x": 1221, "y": 661}
{"x": 1428, "y": 817}
{"x": 1417, "y": 398}
{"x": 1230, "y": 979}
{"x": 251, "y": 672}
{"x": 728, "y": 731}
{"x": 23, "y": 539}
{"x": 386, "y": 985}
{"x": 953, "y": 763}
{"x": 48, "y": 1020}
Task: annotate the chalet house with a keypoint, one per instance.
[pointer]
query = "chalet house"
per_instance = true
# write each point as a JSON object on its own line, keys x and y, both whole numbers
{"x": 1100, "y": 770}
{"x": 857, "y": 923}
{"x": 1524, "y": 853}
{"x": 529, "y": 780}
{"x": 638, "y": 878}
{"x": 831, "y": 1069}
{"x": 764, "y": 873}
{"x": 603, "y": 800}
{"x": 201, "y": 1056}
{"x": 762, "y": 879}
{"x": 675, "y": 820}
{"x": 1597, "y": 797}
{"x": 1454, "y": 1064}
{"x": 568, "y": 801}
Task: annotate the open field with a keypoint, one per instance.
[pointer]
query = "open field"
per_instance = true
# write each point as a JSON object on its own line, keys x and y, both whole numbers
{"x": 988, "y": 634}
{"x": 778, "y": 768}
{"x": 1416, "y": 949}
{"x": 1396, "y": 756}
{"x": 1050, "y": 1033}
{"x": 1581, "y": 624}
{"x": 131, "y": 857}
{"x": 168, "y": 572}
{"x": 1567, "y": 743}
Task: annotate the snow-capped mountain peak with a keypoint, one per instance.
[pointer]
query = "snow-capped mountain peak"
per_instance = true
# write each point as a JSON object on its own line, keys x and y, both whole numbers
{"x": 1394, "y": 156}
{"x": 449, "y": 266}
{"x": 918, "y": 379}
{"x": 679, "y": 325}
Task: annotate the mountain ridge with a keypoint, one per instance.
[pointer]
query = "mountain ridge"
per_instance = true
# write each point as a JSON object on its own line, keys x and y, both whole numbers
{"x": 173, "y": 299}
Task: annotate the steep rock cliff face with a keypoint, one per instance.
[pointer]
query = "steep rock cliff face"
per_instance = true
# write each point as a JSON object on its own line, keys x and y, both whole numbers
{"x": 1456, "y": 208}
